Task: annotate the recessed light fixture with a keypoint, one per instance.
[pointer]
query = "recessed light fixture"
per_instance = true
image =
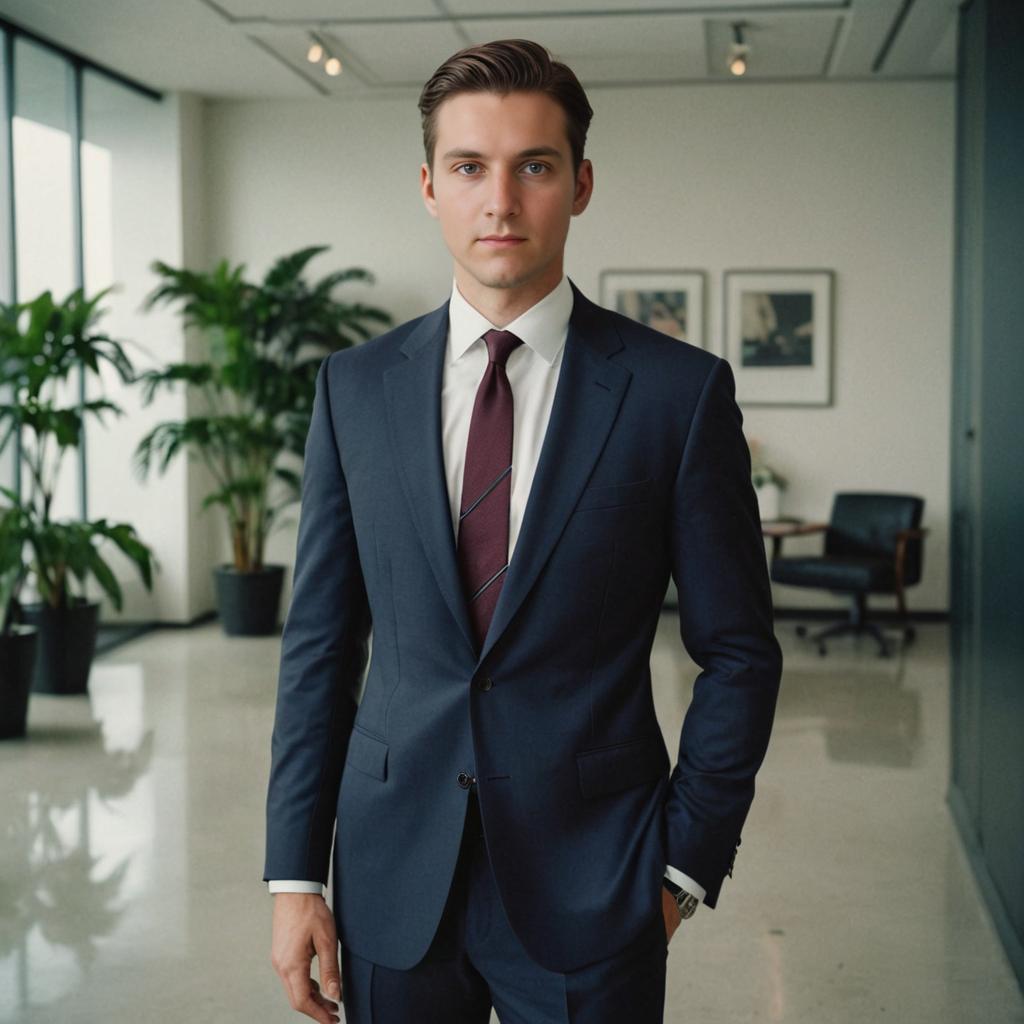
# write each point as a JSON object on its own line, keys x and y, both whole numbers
{"x": 318, "y": 52}
{"x": 739, "y": 51}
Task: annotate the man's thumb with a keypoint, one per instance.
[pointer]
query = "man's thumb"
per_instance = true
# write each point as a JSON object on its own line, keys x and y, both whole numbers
{"x": 327, "y": 957}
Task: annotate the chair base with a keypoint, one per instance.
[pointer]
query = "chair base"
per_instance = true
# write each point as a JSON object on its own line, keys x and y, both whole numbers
{"x": 857, "y": 625}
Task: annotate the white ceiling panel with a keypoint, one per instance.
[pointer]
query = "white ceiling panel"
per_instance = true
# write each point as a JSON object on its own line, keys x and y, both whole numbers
{"x": 555, "y": 8}
{"x": 651, "y": 48}
{"x": 399, "y": 56}
{"x": 371, "y": 55}
{"x": 794, "y": 47}
{"x": 184, "y": 46}
{"x": 920, "y": 38}
{"x": 325, "y": 10}
{"x": 922, "y": 43}
{"x": 256, "y": 48}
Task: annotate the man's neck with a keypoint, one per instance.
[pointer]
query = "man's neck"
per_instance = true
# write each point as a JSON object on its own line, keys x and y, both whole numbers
{"x": 503, "y": 305}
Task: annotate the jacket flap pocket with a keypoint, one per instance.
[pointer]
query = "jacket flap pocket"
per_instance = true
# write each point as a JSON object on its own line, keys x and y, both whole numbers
{"x": 612, "y": 495}
{"x": 368, "y": 754}
{"x": 610, "y": 769}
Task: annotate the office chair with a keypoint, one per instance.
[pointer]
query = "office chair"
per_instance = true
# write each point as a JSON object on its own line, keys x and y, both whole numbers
{"x": 873, "y": 545}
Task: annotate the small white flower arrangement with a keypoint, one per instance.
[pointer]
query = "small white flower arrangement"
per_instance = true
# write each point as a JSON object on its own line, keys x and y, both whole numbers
{"x": 760, "y": 472}
{"x": 768, "y": 482}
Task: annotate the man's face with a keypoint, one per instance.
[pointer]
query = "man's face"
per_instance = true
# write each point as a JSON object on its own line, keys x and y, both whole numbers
{"x": 503, "y": 167}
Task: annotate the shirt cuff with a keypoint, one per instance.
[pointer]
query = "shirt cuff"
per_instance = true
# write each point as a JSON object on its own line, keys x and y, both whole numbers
{"x": 294, "y": 885}
{"x": 685, "y": 882}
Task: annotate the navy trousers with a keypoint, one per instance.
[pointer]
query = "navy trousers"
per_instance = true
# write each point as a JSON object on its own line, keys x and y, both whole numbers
{"x": 475, "y": 962}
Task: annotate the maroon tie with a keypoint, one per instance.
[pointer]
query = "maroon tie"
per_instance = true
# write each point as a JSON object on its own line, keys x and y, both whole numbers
{"x": 487, "y": 486}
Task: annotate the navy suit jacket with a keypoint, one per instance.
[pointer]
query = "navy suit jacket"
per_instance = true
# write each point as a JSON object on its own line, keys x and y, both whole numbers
{"x": 644, "y": 471}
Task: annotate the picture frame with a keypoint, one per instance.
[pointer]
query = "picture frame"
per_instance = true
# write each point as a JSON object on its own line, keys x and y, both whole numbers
{"x": 777, "y": 328}
{"x": 670, "y": 301}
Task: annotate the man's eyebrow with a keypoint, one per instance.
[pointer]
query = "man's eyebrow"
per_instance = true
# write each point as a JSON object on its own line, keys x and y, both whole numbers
{"x": 472, "y": 154}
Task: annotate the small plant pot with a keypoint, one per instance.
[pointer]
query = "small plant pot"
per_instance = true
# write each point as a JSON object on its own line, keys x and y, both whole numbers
{"x": 17, "y": 660}
{"x": 67, "y": 643}
{"x": 768, "y": 501}
{"x": 248, "y": 602}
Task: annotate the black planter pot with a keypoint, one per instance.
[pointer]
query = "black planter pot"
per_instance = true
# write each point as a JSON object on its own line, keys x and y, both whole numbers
{"x": 17, "y": 660}
{"x": 67, "y": 643}
{"x": 248, "y": 601}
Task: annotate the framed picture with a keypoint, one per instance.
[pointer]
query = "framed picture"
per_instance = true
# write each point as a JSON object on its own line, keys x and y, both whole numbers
{"x": 670, "y": 301}
{"x": 777, "y": 326}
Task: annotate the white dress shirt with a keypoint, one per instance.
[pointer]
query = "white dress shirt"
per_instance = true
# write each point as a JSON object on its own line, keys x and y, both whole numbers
{"x": 532, "y": 370}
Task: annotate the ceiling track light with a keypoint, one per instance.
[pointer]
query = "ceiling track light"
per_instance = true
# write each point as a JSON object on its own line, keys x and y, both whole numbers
{"x": 738, "y": 52}
{"x": 318, "y": 52}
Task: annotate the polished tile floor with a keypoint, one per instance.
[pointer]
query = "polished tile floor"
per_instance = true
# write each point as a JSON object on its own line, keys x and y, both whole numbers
{"x": 132, "y": 845}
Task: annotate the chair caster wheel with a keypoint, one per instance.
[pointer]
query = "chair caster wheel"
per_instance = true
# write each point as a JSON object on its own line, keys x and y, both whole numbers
{"x": 821, "y": 652}
{"x": 909, "y": 633}
{"x": 801, "y": 631}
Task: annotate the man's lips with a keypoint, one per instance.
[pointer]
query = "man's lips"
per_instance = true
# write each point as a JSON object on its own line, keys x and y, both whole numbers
{"x": 502, "y": 241}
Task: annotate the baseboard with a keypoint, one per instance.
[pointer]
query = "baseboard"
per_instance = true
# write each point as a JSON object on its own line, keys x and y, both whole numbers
{"x": 881, "y": 616}
{"x": 873, "y": 615}
{"x": 113, "y": 634}
{"x": 1011, "y": 941}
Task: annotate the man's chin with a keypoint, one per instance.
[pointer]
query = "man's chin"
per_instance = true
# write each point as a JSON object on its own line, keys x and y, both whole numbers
{"x": 503, "y": 277}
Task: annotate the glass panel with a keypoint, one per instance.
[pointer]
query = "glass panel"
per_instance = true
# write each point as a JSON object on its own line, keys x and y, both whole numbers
{"x": 43, "y": 214}
{"x": 7, "y": 455}
{"x": 128, "y": 220}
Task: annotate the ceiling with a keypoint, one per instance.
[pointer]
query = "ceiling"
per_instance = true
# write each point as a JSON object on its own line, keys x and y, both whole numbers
{"x": 257, "y": 48}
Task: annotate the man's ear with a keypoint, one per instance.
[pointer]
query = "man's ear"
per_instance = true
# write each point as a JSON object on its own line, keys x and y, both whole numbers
{"x": 427, "y": 190}
{"x": 584, "y": 187}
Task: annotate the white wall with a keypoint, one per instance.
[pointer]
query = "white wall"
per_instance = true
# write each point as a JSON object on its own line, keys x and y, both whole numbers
{"x": 855, "y": 177}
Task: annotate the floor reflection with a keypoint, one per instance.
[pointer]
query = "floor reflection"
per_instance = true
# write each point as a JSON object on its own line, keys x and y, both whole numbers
{"x": 70, "y": 836}
{"x": 132, "y": 848}
{"x": 867, "y": 716}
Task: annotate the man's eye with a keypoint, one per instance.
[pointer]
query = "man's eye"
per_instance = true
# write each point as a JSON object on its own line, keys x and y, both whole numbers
{"x": 541, "y": 167}
{"x": 461, "y": 166}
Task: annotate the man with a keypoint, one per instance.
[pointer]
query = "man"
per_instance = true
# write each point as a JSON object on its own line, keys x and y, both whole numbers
{"x": 502, "y": 487}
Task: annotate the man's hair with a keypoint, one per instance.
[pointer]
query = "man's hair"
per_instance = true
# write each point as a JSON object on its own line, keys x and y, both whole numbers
{"x": 504, "y": 66}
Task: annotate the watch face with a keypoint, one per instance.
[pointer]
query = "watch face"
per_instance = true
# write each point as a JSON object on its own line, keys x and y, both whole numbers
{"x": 688, "y": 905}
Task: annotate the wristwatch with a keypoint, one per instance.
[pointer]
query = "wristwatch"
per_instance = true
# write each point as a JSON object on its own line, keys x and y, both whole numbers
{"x": 685, "y": 901}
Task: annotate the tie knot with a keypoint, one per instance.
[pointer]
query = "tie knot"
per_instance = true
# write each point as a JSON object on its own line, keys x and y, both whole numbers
{"x": 500, "y": 345}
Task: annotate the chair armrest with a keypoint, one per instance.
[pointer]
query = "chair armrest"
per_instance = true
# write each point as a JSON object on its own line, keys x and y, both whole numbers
{"x": 901, "y": 549}
{"x": 918, "y": 534}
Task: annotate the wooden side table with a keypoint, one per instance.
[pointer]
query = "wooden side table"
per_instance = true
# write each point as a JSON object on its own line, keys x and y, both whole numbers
{"x": 778, "y": 529}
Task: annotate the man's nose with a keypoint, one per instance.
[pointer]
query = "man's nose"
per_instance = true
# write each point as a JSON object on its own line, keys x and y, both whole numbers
{"x": 503, "y": 199}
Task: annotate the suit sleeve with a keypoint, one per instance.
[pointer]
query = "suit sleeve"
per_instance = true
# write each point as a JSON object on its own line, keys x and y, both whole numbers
{"x": 726, "y": 626}
{"x": 324, "y": 650}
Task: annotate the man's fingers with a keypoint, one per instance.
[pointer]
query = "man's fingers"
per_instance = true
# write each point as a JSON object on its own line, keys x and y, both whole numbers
{"x": 304, "y": 998}
{"x": 330, "y": 1005}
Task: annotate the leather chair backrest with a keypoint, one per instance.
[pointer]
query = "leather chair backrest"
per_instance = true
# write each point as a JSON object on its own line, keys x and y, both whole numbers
{"x": 866, "y": 523}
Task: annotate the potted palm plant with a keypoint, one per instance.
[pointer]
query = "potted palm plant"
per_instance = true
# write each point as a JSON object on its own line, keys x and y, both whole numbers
{"x": 263, "y": 345}
{"x": 17, "y": 640}
{"x": 42, "y": 344}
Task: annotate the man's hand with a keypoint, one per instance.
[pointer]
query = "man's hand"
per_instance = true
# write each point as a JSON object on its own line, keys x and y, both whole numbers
{"x": 670, "y": 909}
{"x": 304, "y": 928}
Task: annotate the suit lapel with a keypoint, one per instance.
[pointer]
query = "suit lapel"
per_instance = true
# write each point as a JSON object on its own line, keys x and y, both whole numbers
{"x": 587, "y": 399}
{"x": 412, "y": 391}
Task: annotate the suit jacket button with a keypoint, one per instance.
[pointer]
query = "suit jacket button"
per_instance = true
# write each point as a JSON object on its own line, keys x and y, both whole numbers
{"x": 485, "y": 683}
{"x": 466, "y": 780}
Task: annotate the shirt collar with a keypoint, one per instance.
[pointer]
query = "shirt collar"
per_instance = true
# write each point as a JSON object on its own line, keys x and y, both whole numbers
{"x": 542, "y": 327}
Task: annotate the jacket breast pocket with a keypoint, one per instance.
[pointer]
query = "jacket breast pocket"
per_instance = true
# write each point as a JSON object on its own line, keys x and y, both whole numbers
{"x": 367, "y": 754}
{"x": 631, "y": 492}
{"x": 606, "y": 770}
